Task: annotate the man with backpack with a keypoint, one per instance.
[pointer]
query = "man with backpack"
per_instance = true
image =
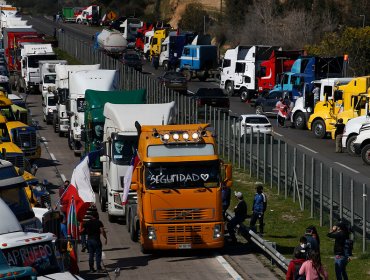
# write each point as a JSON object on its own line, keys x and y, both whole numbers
{"x": 342, "y": 249}
{"x": 299, "y": 257}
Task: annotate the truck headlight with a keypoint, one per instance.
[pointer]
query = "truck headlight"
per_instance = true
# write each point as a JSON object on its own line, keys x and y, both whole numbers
{"x": 50, "y": 110}
{"x": 151, "y": 233}
{"x": 217, "y": 232}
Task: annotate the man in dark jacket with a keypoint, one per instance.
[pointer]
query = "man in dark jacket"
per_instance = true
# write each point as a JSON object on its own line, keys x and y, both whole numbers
{"x": 240, "y": 211}
{"x": 226, "y": 196}
{"x": 259, "y": 208}
{"x": 299, "y": 257}
{"x": 340, "y": 234}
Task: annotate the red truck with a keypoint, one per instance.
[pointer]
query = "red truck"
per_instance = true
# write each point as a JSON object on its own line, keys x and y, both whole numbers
{"x": 270, "y": 70}
{"x": 140, "y": 37}
{"x": 13, "y": 39}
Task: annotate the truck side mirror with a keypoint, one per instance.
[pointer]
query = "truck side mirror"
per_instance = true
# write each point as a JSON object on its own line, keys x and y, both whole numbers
{"x": 134, "y": 187}
{"x": 103, "y": 158}
{"x": 338, "y": 95}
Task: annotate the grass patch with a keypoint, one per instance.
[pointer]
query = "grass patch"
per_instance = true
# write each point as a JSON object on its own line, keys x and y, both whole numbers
{"x": 65, "y": 56}
{"x": 285, "y": 223}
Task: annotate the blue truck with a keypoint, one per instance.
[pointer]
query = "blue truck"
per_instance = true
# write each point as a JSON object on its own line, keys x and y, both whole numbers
{"x": 307, "y": 69}
{"x": 199, "y": 61}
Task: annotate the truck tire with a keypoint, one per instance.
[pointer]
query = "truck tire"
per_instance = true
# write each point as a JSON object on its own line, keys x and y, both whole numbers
{"x": 102, "y": 199}
{"x": 299, "y": 120}
{"x": 350, "y": 147}
{"x": 229, "y": 88}
{"x": 319, "y": 129}
{"x": 259, "y": 110}
{"x": 365, "y": 154}
{"x": 70, "y": 141}
{"x": 61, "y": 133}
{"x": 244, "y": 95}
{"x": 133, "y": 229}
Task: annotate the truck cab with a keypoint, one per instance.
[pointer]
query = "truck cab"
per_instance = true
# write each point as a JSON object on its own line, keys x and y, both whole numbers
{"x": 120, "y": 143}
{"x": 178, "y": 181}
{"x": 156, "y": 42}
{"x": 147, "y": 42}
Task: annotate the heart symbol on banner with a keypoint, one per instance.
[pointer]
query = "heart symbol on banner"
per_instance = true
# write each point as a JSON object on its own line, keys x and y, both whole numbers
{"x": 204, "y": 176}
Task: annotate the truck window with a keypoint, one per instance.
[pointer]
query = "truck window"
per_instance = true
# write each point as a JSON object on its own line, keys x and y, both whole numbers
{"x": 239, "y": 67}
{"x": 154, "y": 41}
{"x": 8, "y": 172}
{"x": 182, "y": 175}
{"x": 262, "y": 72}
{"x": 8, "y": 113}
{"x": 33, "y": 61}
{"x": 15, "y": 197}
{"x": 52, "y": 101}
{"x": 328, "y": 90}
{"x": 123, "y": 149}
{"x": 226, "y": 63}
{"x": 49, "y": 79}
{"x": 186, "y": 51}
{"x": 40, "y": 256}
{"x": 4, "y": 135}
{"x": 285, "y": 79}
{"x": 80, "y": 105}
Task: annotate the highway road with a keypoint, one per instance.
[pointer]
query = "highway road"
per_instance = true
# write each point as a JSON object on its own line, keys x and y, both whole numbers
{"x": 323, "y": 149}
{"x": 56, "y": 165}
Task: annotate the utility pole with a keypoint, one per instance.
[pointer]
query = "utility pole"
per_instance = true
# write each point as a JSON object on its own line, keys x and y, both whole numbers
{"x": 363, "y": 20}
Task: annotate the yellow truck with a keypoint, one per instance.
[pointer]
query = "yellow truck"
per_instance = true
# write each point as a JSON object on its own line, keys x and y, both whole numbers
{"x": 349, "y": 101}
{"x": 24, "y": 136}
{"x": 156, "y": 43}
{"x": 178, "y": 180}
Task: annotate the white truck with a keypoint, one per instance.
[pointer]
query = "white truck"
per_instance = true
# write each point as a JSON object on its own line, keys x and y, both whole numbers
{"x": 361, "y": 144}
{"x": 31, "y": 54}
{"x": 36, "y": 250}
{"x": 89, "y": 15}
{"x": 47, "y": 83}
{"x": 148, "y": 38}
{"x": 60, "y": 118}
{"x": 351, "y": 130}
{"x": 120, "y": 141}
{"x": 239, "y": 69}
{"x": 129, "y": 30}
{"x": 112, "y": 42}
{"x": 79, "y": 82}
{"x": 304, "y": 105}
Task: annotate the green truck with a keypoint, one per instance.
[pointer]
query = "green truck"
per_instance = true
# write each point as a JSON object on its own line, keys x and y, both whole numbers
{"x": 69, "y": 14}
{"x": 92, "y": 135}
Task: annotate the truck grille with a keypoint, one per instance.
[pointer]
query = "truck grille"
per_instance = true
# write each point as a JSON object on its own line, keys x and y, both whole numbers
{"x": 182, "y": 229}
{"x": 17, "y": 161}
{"x": 25, "y": 139}
{"x": 184, "y": 214}
{"x": 172, "y": 240}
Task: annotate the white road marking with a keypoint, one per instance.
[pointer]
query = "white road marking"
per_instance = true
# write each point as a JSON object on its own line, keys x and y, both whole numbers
{"x": 345, "y": 166}
{"x": 228, "y": 268}
{"x": 278, "y": 134}
{"x": 52, "y": 156}
{"x": 43, "y": 140}
{"x": 303, "y": 146}
{"x": 63, "y": 177}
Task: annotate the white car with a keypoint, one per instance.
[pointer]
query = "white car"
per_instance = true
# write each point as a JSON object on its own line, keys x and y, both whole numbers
{"x": 253, "y": 122}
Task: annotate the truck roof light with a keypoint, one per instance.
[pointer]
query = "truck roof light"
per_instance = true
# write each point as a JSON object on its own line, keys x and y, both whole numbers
{"x": 176, "y": 136}
{"x": 195, "y": 135}
{"x": 166, "y": 137}
{"x": 185, "y": 136}
{"x": 4, "y": 244}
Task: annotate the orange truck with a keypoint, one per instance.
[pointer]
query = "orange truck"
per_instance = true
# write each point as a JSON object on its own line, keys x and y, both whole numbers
{"x": 178, "y": 179}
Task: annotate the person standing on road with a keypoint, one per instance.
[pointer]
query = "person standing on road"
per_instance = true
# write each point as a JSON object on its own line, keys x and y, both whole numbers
{"x": 259, "y": 208}
{"x": 94, "y": 228}
{"x": 340, "y": 233}
{"x": 339, "y": 129}
{"x": 240, "y": 211}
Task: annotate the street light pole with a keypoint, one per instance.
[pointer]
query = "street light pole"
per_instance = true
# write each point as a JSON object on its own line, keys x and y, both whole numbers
{"x": 363, "y": 20}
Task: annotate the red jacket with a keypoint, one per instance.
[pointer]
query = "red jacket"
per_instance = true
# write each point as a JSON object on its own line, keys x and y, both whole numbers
{"x": 292, "y": 266}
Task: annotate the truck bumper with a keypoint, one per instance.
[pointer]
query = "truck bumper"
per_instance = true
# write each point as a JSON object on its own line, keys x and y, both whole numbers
{"x": 173, "y": 236}
{"x": 115, "y": 207}
{"x": 49, "y": 117}
{"x": 63, "y": 127}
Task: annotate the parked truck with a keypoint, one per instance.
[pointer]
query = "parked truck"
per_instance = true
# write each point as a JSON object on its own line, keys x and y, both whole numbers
{"x": 351, "y": 131}
{"x": 305, "y": 104}
{"x": 89, "y": 15}
{"x": 199, "y": 61}
{"x": 28, "y": 79}
{"x": 178, "y": 180}
{"x": 119, "y": 143}
{"x": 69, "y": 14}
{"x": 61, "y": 91}
{"x": 79, "y": 82}
{"x": 361, "y": 144}
{"x": 92, "y": 135}
{"x": 110, "y": 41}
{"x": 349, "y": 101}
{"x": 140, "y": 36}
{"x": 156, "y": 41}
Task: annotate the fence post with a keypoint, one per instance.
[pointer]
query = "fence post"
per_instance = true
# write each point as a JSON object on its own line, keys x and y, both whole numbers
{"x": 312, "y": 184}
{"x": 303, "y": 180}
{"x": 271, "y": 160}
{"x": 352, "y": 205}
{"x": 341, "y": 195}
{"x": 251, "y": 152}
{"x": 279, "y": 166}
{"x": 331, "y": 197}
{"x": 286, "y": 170}
{"x": 239, "y": 143}
{"x": 245, "y": 148}
{"x": 321, "y": 198}
{"x": 295, "y": 172}
{"x": 258, "y": 155}
{"x": 228, "y": 138}
{"x": 223, "y": 134}
{"x": 264, "y": 157}
{"x": 364, "y": 196}
{"x": 233, "y": 142}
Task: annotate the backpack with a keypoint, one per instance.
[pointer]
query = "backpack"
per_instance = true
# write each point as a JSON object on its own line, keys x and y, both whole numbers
{"x": 348, "y": 247}
{"x": 296, "y": 276}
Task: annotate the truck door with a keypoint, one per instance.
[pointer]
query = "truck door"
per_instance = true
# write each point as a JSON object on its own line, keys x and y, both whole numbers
{"x": 239, "y": 72}
{"x": 359, "y": 106}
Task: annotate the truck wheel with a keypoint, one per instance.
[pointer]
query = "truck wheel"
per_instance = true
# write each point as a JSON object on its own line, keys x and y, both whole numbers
{"x": 319, "y": 129}
{"x": 229, "y": 88}
{"x": 244, "y": 95}
{"x": 259, "y": 110}
{"x": 61, "y": 134}
{"x": 365, "y": 154}
{"x": 102, "y": 199}
{"x": 133, "y": 230}
{"x": 299, "y": 120}
{"x": 165, "y": 65}
{"x": 128, "y": 219}
{"x": 350, "y": 147}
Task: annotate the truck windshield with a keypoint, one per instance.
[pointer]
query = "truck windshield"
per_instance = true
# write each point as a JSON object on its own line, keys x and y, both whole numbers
{"x": 52, "y": 101}
{"x": 4, "y": 134}
{"x": 40, "y": 256}
{"x": 8, "y": 172}
{"x": 182, "y": 175}
{"x": 49, "y": 79}
{"x": 7, "y": 112}
{"x": 33, "y": 60}
{"x": 15, "y": 197}
{"x": 123, "y": 149}
{"x": 80, "y": 105}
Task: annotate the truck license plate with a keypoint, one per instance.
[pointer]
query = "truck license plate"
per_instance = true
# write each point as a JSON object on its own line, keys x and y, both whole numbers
{"x": 185, "y": 246}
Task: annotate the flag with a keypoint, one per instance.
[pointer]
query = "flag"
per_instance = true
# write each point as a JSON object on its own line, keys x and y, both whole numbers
{"x": 73, "y": 265}
{"x": 79, "y": 188}
{"x": 72, "y": 224}
{"x": 128, "y": 177}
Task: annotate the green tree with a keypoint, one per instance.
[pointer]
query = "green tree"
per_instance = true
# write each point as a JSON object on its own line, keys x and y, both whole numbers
{"x": 193, "y": 18}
